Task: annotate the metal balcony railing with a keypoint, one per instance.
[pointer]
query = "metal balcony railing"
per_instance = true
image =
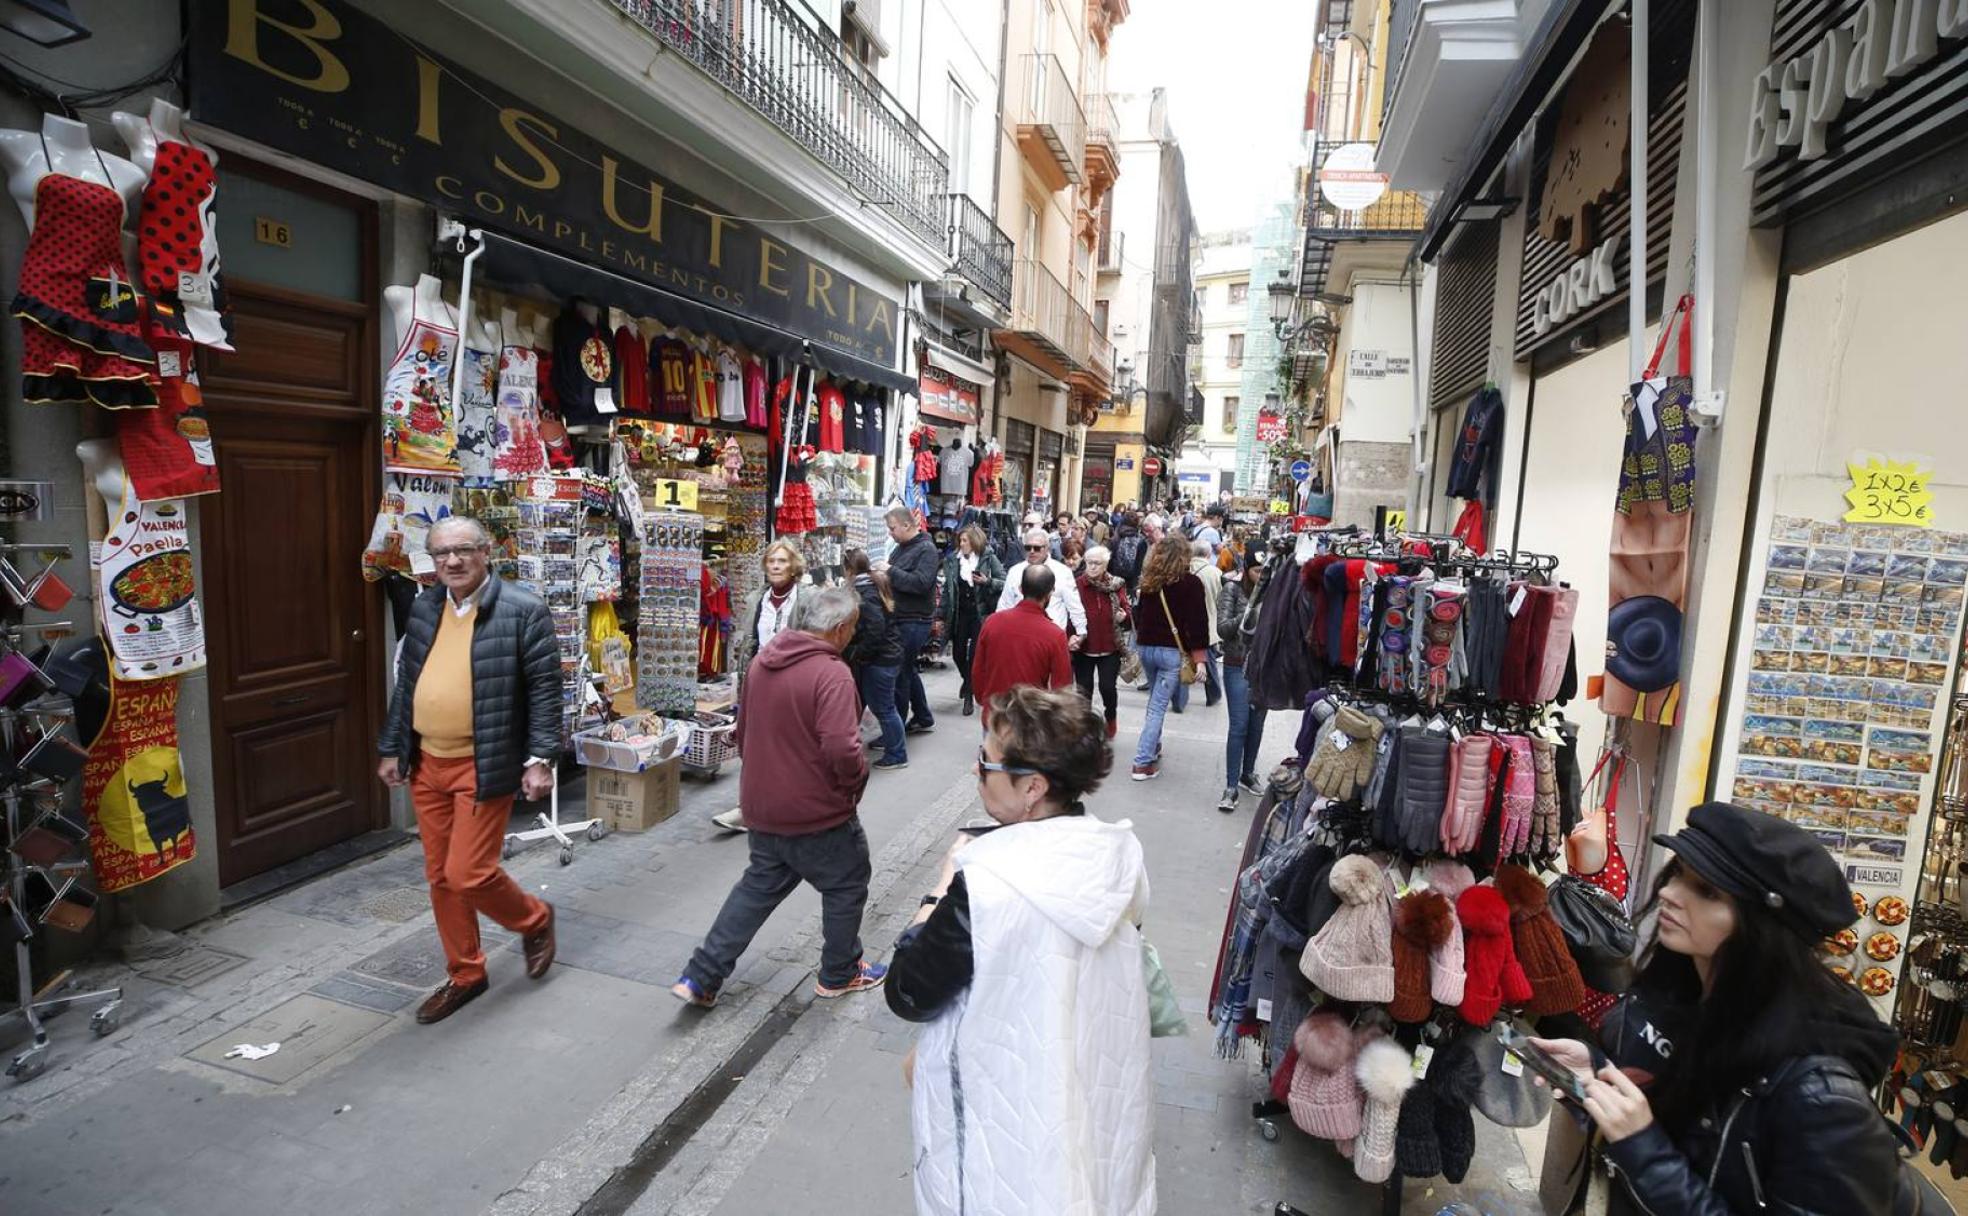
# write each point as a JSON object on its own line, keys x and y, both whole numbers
{"x": 1399, "y": 215}
{"x": 1041, "y": 309}
{"x": 981, "y": 248}
{"x": 1113, "y": 248}
{"x": 779, "y": 58}
{"x": 1049, "y": 108}
{"x": 1103, "y": 125}
{"x": 1088, "y": 346}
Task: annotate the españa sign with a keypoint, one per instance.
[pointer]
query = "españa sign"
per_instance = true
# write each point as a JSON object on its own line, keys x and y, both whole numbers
{"x": 326, "y": 82}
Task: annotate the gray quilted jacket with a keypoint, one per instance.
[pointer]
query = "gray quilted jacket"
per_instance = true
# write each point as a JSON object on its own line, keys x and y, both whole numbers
{"x": 516, "y": 696}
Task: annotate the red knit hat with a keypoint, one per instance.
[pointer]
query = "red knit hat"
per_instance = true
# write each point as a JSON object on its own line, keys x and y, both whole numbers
{"x": 1423, "y": 920}
{"x": 1493, "y": 977}
{"x": 1540, "y": 944}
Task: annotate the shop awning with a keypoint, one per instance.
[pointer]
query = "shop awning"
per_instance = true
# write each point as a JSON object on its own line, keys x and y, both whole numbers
{"x": 519, "y": 267}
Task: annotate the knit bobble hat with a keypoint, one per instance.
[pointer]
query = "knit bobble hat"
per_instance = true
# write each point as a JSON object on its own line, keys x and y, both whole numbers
{"x": 1386, "y": 1073}
{"x": 1352, "y": 958}
{"x": 1445, "y": 963}
{"x": 1423, "y": 921}
{"x": 1494, "y": 978}
{"x": 1540, "y": 944}
{"x": 1325, "y": 1097}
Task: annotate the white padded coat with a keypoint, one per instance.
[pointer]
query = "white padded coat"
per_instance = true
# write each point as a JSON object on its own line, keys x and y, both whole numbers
{"x": 1033, "y": 1091}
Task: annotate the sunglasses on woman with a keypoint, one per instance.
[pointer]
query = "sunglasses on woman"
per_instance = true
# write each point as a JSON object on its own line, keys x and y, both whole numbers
{"x": 986, "y": 766}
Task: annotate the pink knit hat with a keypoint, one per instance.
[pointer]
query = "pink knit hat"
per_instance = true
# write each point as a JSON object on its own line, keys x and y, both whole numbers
{"x": 1385, "y": 1071}
{"x": 1325, "y": 1097}
{"x": 1352, "y": 958}
{"x": 1445, "y": 965}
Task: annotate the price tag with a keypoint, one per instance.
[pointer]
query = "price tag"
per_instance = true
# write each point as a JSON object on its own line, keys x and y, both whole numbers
{"x": 1512, "y": 1066}
{"x": 1424, "y": 1054}
{"x": 1890, "y": 492}
{"x": 1263, "y": 1009}
{"x": 169, "y": 365}
{"x": 1341, "y": 740}
{"x": 1517, "y": 601}
{"x": 604, "y": 400}
{"x": 194, "y": 288}
{"x": 675, "y": 495}
{"x": 422, "y": 562}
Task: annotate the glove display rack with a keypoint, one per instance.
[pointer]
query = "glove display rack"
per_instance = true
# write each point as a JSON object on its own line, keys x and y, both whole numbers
{"x": 1386, "y": 921}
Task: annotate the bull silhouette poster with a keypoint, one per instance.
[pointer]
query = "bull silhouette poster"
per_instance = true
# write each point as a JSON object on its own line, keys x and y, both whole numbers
{"x": 133, "y": 787}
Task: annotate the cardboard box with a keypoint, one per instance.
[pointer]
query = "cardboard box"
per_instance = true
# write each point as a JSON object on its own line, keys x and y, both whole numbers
{"x": 633, "y": 802}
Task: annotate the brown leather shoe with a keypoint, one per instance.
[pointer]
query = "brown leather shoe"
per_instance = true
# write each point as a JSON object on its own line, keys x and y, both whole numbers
{"x": 447, "y": 1000}
{"x": 539, "y": 948}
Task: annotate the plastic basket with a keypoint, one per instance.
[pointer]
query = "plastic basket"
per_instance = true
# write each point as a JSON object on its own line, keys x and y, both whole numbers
{"x": 630, "y": 745}
{"x": 709, "y": 747}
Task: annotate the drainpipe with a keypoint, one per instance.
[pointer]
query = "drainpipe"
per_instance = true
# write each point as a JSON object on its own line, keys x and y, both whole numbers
{"x": 1419, "y": 435}
{"x": 477, "y": 238}
{"x": 1636, "y": 271}
{"x": 1708, "y": 400}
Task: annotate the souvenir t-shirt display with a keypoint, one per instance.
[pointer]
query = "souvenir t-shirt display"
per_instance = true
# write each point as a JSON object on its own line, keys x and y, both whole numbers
{"x": 730, "y": 387}
{"x": 833, "y": 412}
{"x": 754, "y": 393}
{"x": 583, "y": 360}
{"x": 669, "y": 359}
{"x": 631, "y": 387}
{"x": 954, "y": 463}
{"x": 703, "y": 383}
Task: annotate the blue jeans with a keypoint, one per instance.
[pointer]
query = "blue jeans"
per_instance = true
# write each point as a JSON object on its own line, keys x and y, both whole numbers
{"x": 877, "y": 685}
{"x": 1246, "y": 728}
{"x": 911, "y": 704}
{"x": 1212, "y": 686}
{"x": 1161, "y": 666}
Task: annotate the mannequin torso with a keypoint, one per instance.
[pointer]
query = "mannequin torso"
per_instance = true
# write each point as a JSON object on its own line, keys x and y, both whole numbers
{"x": 62, "y": 146}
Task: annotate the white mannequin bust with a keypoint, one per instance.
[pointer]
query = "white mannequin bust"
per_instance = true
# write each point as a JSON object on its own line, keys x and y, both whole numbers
{"x": 141, "y": 134}
{"x": 105, "y": 471}
{"x": 401, "y": 302}
{"x": 67, "y": 151}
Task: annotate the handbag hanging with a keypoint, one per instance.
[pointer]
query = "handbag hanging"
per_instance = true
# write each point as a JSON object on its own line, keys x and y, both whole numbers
{"x": 1188, "y": 674}
{"x": 1648, "y": 573}
{"x": 1594, "y": 857}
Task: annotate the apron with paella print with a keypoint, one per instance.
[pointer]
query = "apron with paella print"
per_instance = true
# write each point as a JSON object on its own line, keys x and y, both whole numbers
{"x": 146, "y": 597}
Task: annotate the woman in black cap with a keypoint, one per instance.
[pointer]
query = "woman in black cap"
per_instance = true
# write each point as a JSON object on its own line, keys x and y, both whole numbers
{"x": 1754, "y": 1062}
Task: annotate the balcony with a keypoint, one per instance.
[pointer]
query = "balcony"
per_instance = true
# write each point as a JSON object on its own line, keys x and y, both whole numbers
{"x": 1051, "y": 126}
{"x": 1042, "y": 318}
{"x": 1103, "y": 147}
{"x": 779, "y": 58}
{"x": 1338, "y": 244}
{"x": 981, "y": 249}
{"x": 1454, "y": 58}
{"x": 1113, "y": 250}
{"x": 1092, "y": 351}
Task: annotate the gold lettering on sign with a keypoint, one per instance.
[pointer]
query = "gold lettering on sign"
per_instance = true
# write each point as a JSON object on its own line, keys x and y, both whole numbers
{"x": 653, "y": 226}
{"x": 243, "y": 42}
{"x": 882, "y": 317}
{"x": 428, "y": 75}
{"x": 817, "y": 289}
{"x": 514, "y": 120}
{"x": 536, "y": 220}
{"x": 449, "y": 186}
{"x": 717, "y": 237}
{"x": 767, "y": 265}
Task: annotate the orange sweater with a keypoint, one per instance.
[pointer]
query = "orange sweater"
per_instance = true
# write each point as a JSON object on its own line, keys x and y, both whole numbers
{"x": 441, "y": 712}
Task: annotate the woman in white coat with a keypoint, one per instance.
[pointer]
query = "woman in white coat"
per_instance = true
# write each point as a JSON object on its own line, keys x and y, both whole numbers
{"x": 1033, "y": 1094}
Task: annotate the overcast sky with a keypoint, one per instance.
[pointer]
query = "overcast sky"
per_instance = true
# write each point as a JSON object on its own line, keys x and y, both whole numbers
{"x": 1235, "y": 73}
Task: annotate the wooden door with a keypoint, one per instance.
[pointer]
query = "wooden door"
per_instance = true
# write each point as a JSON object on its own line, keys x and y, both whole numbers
{"x": 292, "y": 630}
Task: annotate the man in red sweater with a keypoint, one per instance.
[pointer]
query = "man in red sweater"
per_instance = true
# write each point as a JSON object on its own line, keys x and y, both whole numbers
{"x": 1021, "y": 646}
{"x": 799, "y": 734}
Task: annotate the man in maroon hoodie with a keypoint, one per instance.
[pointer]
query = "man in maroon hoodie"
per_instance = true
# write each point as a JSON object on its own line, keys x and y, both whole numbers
{"x": 799, "y": 734}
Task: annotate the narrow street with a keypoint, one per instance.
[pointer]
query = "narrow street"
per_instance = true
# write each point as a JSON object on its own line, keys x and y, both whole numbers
{"x": 594, "y": 1091}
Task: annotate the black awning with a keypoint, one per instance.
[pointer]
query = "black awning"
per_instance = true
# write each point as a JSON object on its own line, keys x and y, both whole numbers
{"x": 520, "y": 267}
{"x": 1560, "y": 35}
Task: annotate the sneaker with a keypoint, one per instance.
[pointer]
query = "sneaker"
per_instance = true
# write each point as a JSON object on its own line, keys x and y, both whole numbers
{"x": 689, "y": 992}
{"x": 732, "y": 820}
{"x": 1250, "y": 785}
{"x": 1145, "y": 772}
{"x": 887, "y": 765}
{"x": 870, "y": 975}
{"x": 1227, "y": 803}
{"x": 919, "y": 728}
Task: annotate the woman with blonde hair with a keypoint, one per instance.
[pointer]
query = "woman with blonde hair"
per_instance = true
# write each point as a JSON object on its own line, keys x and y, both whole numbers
{"x": 765, "y": 614}
{"x": 1171, "y": 619}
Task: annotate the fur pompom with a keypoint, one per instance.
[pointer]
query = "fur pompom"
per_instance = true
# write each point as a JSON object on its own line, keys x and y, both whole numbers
{"x": 1324, "y": 1042}
{"x": 1521, "y": 890}
{"x": 1483, "y": 912}
{"x": 1451, "y": 878}
{"x": 1385, "y": 1071}
{"x": 1424, "y": 919}
{"x": 1357, "y": 880}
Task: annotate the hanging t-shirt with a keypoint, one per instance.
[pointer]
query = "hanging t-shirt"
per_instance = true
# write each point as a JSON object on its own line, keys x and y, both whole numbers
{"x": 833, "y": 416}
{"x": 703, "y": 384}
{"x": 955, "y": 462}
{"x": 670, "y": 360}
{"x": 874, "y": 416}
{"x": 754, "y": 393}
{"x": 631, "y": 371}
{"x": 730, "y": 386}
{"x": 583, "y": 360}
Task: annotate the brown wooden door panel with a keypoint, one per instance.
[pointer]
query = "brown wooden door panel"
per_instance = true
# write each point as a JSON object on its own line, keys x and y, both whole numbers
{"x": 306, "y": 786}
{"x": 284, "y": 349}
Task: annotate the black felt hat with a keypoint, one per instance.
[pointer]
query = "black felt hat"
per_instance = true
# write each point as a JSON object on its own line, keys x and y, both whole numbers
{"x": 1768, "y": 861}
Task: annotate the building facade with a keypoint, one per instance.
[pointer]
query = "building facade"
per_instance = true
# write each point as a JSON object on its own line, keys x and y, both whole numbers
{"x": 1223, "y": 291}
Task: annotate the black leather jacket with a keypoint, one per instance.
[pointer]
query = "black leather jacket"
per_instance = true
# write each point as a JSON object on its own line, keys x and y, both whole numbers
{"x": 516, "y": 694}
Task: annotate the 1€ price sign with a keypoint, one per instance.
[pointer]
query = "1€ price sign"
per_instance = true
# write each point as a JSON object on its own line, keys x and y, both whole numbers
{"x": 675, "y": 495}
{"x": 1890, "y": 492}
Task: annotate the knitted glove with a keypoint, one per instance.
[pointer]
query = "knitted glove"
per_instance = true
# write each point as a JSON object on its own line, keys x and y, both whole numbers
{"x": 1343, "y": 759}
{"x": 1545, "y": 836}
{"x": 1462, "y": 815}
{"x": 1519, "y": 797}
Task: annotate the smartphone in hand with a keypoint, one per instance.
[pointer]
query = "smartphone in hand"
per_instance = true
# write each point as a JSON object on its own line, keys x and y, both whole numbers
{"x": 1561, "y": 1079}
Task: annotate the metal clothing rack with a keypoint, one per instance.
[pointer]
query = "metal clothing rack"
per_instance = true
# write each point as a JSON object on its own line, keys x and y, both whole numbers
{"x": 55, "y": 875}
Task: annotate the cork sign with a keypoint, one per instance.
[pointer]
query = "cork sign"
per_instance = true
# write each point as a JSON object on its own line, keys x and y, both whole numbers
{"x": 1589, "y": 142}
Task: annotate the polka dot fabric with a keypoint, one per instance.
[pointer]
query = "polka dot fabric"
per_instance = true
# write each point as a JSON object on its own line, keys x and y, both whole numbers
{"x": 1613, "y": 879}
{"x": 80, "y": 341}
{"x": 176, "y": 237}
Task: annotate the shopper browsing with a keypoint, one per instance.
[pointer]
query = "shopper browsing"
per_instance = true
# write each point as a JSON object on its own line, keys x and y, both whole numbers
{"x": 1032, "y": 1078}
{"x": 1246, "y": 732}
{"x": 913, "y": 568}
{"x": 1109, "y": 620}
{"x": 973, "y": 577}
{"x": 1203, "y": 566}
{"x": 1170, "y": 620}
{"x": 1021, "y": 647}
{"x": 799, "y": 735}
{"x": 1063, "y": 609}
{"x": 875, "y": 656}
{"x": 764, "y": 616}
{"x": 475, "y": 719}
{"x": 1755, "y": 1066}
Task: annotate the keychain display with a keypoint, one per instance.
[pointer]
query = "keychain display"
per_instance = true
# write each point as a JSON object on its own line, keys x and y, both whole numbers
{"x": 668, "y": 612}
